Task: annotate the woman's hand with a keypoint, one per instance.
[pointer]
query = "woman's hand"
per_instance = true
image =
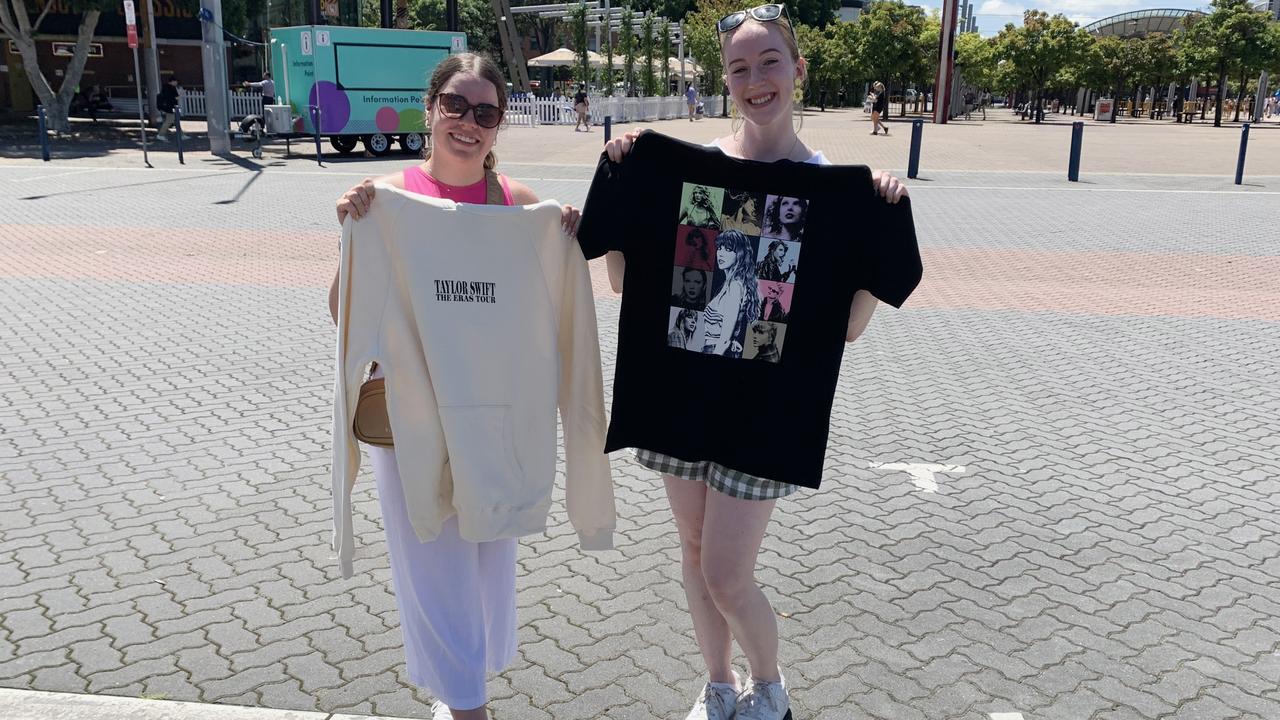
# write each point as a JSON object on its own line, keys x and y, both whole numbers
{"x": 618, "y": 148}
{"x": 888, "y": 186}
{"x": 569, "y": 218}
{"x": 355, "y": 202}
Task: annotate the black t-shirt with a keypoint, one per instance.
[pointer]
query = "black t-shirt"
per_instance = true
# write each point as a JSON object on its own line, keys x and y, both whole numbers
{"x": 580, "y": 98}
{"x": 881, "y": 104}
{"x": 747, "y": 378}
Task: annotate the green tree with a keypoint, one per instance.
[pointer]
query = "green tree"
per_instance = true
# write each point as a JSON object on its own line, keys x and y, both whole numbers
{"x": 666, "y": 58}
{"x": 16, "y": 22}
{"x": 889, "y": 42}
{"x": 816, "y": 13}
{"x": 1158, "y": 62}
{"x": 976, "y": 57}
{"x": 475, "y": 18}
{"x": 818, "y": 48}
{"x": 1038, "y": 50}
{"x": 582, "y": 61}
{"x": 648, "y": 78}
{"x": 608, "y": 62}
{"x": 1233, "y": 38}
{"x": 627, "y": 46}
{"x": 704, "y": 42}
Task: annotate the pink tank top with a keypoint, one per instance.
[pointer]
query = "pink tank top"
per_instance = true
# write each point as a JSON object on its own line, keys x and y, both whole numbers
{"x": 416, "y": 180}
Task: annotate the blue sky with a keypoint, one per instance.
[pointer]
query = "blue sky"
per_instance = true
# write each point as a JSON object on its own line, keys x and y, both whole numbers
{"x": 993, "y": 14}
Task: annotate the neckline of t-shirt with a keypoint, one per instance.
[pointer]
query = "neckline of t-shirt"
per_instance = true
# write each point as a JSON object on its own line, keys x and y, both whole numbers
{"x": 817, "y": 158}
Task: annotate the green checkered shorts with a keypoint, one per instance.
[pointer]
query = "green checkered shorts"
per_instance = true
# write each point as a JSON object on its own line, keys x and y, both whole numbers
{"x": 716, "y": 476}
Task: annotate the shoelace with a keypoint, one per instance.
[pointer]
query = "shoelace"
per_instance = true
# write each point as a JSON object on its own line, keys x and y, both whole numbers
{"x": 754, "y": 698}
{"x": 714, "y": 696}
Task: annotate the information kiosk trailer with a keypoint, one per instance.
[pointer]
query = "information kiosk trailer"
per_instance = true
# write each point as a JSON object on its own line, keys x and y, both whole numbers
{"x": 364, "y": 84}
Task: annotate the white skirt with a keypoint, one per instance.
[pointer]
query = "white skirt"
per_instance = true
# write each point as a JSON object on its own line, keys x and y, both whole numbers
{"x": 457, "y": 599}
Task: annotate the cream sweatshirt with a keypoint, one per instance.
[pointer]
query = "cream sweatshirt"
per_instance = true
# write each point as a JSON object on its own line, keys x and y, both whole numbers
{"x": 483, "y": 320}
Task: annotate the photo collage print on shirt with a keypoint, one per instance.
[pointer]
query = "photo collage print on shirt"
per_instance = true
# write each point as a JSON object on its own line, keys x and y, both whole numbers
{"x": 736, "y": 258}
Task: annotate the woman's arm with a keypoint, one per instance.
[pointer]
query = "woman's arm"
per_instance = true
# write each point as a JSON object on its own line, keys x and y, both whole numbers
{"x": 860, "y": 311}
{"x": 355, "y": 202}
{"x": 616, "y": 263}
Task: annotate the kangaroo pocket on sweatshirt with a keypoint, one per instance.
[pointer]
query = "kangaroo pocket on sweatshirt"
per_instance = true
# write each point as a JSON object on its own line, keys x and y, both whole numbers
{"x": 487, "y": 465}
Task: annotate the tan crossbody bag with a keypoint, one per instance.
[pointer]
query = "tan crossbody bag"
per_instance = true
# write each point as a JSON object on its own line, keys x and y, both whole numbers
{"x": 372, "y": 424}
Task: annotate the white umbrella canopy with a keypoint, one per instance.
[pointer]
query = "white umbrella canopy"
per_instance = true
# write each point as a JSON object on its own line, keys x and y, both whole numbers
{"x": 564, "y": 57}
{"x": 691, "y": 68}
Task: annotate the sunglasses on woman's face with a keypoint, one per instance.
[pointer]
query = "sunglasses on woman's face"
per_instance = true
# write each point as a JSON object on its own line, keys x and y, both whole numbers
{"x": 763, "y": 13}
{"x": 455, "y": 106}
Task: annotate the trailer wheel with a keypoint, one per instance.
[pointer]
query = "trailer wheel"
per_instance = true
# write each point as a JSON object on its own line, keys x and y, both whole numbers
{"x": 343, "y": 143}
{"x": 377, "y": 143}
{"x": 412, "y": 143}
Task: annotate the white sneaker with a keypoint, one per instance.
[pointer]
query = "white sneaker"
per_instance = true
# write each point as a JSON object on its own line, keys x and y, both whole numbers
{"x": 716, "y": 701}
{"x": 764, "y": 701}
{"x": 440, "y": 711}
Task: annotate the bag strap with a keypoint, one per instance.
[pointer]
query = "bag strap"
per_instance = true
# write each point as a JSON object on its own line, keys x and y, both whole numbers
{"x": 494, "y": 193}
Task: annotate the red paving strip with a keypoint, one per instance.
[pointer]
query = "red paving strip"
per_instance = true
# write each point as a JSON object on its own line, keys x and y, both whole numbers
{"x": 1085, "y": 283}
{"x": 1237, "y": 287}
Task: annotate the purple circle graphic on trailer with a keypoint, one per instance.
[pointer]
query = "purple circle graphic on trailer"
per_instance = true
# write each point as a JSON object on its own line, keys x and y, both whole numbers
{"x": 334, "y": 105}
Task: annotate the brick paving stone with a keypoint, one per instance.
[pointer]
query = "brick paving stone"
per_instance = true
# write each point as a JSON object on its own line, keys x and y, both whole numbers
{"x": 1108, "y": 551}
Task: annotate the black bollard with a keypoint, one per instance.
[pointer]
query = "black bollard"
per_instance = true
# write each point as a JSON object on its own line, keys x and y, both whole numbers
{"x": 608, "y": 127}
{"x": 44, "y": 134}
{"x": 913, "y": 161}
{"x": 315, "y": 117}
{"x": 1077, "y": 139}
{"x": 1244, "y": 145}
{"x": 177, "y": 126}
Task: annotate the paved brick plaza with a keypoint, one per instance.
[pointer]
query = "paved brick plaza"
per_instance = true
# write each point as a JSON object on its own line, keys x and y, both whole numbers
{"x": 1095, "y": 364}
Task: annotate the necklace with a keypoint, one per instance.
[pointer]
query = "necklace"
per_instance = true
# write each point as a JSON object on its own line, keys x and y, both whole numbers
{"x": 786, "y": 156}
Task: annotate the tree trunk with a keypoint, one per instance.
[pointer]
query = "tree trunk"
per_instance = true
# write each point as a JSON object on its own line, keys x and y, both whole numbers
{"x": 1222, "y": 93}
{"x": 1244, "y": 82}
{"x": 56, "y": 104}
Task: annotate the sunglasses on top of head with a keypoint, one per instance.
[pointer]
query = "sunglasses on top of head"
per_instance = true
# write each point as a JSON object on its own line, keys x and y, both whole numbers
{"x": 455, "y": 106}
{"x": 762, "y": 13}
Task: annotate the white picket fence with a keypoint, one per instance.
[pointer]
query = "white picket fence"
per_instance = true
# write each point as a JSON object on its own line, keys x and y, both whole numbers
{"x": 532, "y": 111}
{"x": 242, "y": 104}
{"x": 526, "y": 111}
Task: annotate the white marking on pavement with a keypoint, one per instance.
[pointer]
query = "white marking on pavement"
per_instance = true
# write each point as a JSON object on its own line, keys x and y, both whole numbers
{"x": 1006, "y": 716}
{"x": 923, "y": 475}
{"x": 53, "y": 175}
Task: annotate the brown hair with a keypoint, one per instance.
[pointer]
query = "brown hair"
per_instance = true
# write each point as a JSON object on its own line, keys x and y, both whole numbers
{"x": 475, "y": 64}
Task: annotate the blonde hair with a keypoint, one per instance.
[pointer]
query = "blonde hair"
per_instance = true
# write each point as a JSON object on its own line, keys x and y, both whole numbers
{"x": 475, "y": 64}
{"x": 788, "y": 33}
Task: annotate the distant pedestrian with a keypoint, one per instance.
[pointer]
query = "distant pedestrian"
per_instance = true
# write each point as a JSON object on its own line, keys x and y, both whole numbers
{"x": 691, "y": 99}
{"x": 969, "y": 100}
{"x": 581, "y": 105}
{"x": 879, "y": 109}
{"x": 167, "y": 103}
{"x": 267, "y": 86}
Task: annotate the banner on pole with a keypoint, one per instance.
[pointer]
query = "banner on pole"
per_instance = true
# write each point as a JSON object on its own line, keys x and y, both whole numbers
{"x": 131, "y": 23}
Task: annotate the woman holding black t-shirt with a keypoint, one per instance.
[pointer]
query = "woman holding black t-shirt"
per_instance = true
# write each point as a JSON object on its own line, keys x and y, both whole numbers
{"x": 723, "y": 514}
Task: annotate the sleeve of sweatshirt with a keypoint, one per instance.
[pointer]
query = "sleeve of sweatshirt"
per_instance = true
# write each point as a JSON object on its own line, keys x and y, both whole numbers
{"x": 588, "y": 484}
{"x": 360, "y": 306}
